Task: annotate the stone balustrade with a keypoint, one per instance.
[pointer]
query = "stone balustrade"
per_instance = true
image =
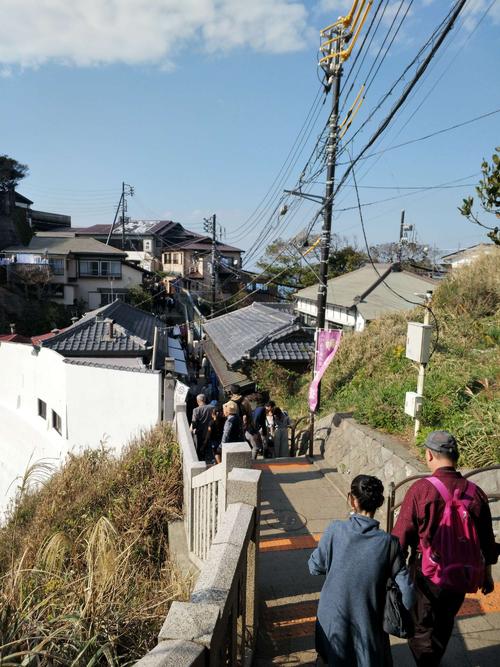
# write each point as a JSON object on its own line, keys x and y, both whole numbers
{"x": 221, "y": 516}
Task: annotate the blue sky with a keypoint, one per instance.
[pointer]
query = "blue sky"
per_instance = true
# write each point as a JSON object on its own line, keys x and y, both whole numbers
{"x": 197, "y": 106}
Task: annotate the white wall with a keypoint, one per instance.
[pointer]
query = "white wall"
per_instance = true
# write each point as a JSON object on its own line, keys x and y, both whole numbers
{"x": 334, "y": 314}
{"x": 110, "y": 404}
{"x": 94, "y": 404}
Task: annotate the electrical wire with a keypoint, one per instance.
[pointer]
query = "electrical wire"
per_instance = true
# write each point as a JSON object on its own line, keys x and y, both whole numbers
{"x": 368, "y": 252}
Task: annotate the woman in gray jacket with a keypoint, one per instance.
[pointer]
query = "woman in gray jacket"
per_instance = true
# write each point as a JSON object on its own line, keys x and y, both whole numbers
{"x": 355, "y": 555}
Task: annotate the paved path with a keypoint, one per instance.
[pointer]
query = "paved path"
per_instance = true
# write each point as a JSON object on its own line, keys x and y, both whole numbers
{"x": 298, "y": 502}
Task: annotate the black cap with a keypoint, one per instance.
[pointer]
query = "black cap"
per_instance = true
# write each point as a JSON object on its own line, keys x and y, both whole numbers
{"x": 442, "y": 442}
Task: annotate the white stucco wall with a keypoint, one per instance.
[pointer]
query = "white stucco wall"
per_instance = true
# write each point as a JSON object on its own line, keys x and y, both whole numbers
{"x": 95, "y": 404}
{"x": 110, "y": 405}
{"x": 334, "y": 314}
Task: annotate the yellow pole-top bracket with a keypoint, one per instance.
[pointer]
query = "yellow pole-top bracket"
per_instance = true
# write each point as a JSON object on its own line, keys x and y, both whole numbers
{"x": 344, "y": 55}
{"x": 314, "y": 245}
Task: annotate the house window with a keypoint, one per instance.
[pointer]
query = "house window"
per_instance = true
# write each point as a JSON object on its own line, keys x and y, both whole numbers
{"x": 99, "y": 268}
{"x": 57, "y": 266}
{"x": 109, "y": 297}
{"x": 56, "y": 422}
{"x": 42, "y": 409}
{"x": 171, "y": 258}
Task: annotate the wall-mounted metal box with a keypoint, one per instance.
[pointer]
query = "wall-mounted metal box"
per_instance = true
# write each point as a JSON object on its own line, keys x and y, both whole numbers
{"x": 413, "y": 403}
{"x": 418, "y": 342}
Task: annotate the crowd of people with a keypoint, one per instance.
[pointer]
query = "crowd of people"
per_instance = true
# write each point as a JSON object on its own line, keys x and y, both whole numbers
{"x": 260, "y": 423}
{"x": 444, "y": 529}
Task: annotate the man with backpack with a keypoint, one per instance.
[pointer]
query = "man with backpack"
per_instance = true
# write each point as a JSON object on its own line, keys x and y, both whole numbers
{"x": 445, "y": 521}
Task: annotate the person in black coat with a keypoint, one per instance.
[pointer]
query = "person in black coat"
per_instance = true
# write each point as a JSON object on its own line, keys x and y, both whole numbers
{"x": 233, "y": 427}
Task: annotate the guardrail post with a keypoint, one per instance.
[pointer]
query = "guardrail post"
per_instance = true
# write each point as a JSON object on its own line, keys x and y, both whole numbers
{"x": 234, "y": 455}
{"x": 243, "y": 486}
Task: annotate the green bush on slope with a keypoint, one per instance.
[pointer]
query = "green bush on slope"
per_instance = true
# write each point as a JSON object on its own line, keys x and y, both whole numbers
{"x": 370, "y": 374}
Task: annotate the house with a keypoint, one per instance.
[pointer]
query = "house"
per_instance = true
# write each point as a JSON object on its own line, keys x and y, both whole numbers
{"x": 73, "y": 269}
{"x": 143, "y": 240}
{"x": 18, "y": 220}
{"x": 117, "y": 334}
{"x": 468, "y": 255}
{"x": 99, "y": 382}
{"x": 191, "y": 262}
{"x": 355, "y": 298}
{"x": 255, "y": 333}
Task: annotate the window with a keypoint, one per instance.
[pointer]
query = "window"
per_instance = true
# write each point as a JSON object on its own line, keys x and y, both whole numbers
{"x": 115, "y": 269}
{"x": 56, "y": 422}
{"x": 171, "y": 258}
{"x": 57, "y": 266}
{"x": 88, "y": 268}
{"x": 42, "y": 409}
{"x": 109, "y": 297}
{"x": 100, "y": 268}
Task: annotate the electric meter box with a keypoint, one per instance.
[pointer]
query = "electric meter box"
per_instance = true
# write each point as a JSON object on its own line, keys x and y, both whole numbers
{"x": 418, "y": 342}
{"x": 413, "y": 403}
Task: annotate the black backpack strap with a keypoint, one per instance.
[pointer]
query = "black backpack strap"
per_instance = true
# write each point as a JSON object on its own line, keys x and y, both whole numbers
{"x": 393, "y": 552}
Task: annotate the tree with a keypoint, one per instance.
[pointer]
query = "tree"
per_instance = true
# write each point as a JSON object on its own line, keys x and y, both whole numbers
{"x": 295, "y": 262}
{"x": 282, "y": 260}
{"x": 488, "y": 192}
{"x": 11, "y": 172}
{"x": 411, "y": 253}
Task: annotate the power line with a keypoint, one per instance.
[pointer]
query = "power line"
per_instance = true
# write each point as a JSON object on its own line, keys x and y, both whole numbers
{"x": 409, "y": 87}
{"x": 368, "y": 252}
{"x": 427, "y": 136}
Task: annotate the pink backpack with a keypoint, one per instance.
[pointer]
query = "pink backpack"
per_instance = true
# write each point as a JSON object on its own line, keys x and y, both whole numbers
{"x": 453, "y": 560}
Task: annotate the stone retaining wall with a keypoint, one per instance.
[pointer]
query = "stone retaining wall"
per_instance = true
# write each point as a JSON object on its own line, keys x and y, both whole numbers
{"x": 350, "y": 449}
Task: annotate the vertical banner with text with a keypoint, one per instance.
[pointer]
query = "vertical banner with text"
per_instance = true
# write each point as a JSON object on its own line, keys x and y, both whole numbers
{"x": 327, "y": 343}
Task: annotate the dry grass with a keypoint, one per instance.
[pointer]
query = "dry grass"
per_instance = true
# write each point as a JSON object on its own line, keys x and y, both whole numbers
{"x": 85, "y": 573}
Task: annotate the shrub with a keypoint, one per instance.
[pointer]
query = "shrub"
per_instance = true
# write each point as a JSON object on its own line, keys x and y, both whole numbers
{"x": 85, "y": 574}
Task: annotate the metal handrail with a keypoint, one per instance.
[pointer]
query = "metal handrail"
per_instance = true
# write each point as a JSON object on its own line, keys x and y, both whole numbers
{"x": 293, "y": 432}
{"x": 392, "y": 506}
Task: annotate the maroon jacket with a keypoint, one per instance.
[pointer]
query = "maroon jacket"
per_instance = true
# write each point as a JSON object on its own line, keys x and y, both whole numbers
{"x": 423, "y": 507}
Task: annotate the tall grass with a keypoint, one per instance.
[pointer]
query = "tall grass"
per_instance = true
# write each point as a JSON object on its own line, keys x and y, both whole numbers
{"x": 85, "y": 577}
{"x": 370, "y": 374}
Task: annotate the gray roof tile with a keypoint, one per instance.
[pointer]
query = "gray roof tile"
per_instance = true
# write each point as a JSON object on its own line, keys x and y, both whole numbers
{"x": 133, "y": 333}
{"x": 242, "y": 333}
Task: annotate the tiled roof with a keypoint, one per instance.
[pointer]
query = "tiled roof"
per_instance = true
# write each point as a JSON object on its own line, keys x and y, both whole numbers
{"x": 102, "y": 364}
{"x": 131, "y": 227}
{"x": 226, "y": 375}
{"x": 242, "y": 333}
{"x": 286, "y": 351}
{"x": 133, "y": 332}
{"x": 14, "y": 338}
{"x": 205, "y": 243}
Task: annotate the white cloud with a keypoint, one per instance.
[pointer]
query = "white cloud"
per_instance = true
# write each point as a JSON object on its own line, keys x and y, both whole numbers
{"x": 475, "y": 9}
{"x": 93, "y": 32}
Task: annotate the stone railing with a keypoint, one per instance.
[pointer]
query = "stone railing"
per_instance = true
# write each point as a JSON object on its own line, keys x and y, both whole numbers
{"x": 221, "y": 509}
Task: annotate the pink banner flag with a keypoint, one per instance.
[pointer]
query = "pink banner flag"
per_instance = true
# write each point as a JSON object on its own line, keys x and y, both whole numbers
{"x": 327, "y": 343}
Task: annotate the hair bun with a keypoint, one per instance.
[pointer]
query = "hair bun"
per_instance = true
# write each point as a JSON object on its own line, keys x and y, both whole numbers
{"x": 368, "y": 491}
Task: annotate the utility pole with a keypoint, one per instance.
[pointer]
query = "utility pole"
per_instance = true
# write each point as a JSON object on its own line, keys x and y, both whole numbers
{"x": 335, "y": 75}
{"x": 127, "y": 191}
{"x": 210, "y": 226}
{"x": 423, "y": 366}
{"x": 336, "y": 36}
{"x": 401, "y": 233}
{"x": 403, "y": 239}
{"x": 124, "y": 208}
